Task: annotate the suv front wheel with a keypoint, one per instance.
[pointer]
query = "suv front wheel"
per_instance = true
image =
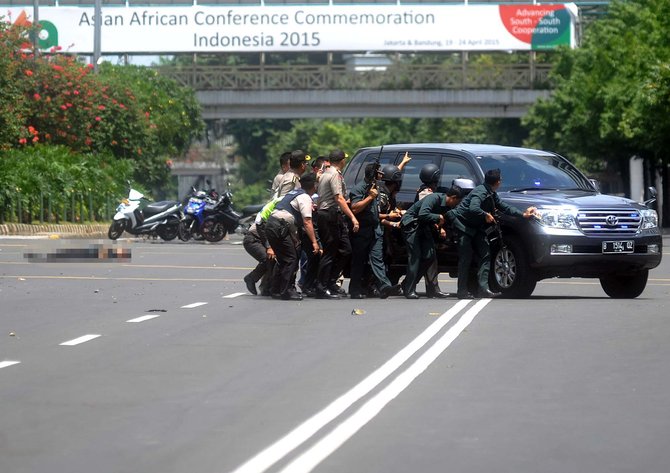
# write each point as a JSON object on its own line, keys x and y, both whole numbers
{"x": 627, "y": 286}
{"x": 510, "y": 272}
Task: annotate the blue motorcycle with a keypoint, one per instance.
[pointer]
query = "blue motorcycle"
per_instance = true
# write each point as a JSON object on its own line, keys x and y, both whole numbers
{"x": 199, "y": 204}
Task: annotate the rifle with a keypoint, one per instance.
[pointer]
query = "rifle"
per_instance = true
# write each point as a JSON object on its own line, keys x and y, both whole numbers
{"x": 376, "y": 170}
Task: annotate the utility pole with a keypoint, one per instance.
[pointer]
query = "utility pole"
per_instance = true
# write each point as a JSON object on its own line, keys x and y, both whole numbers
{"x": 36, "y": 33}
{"x": 97, "y": 34}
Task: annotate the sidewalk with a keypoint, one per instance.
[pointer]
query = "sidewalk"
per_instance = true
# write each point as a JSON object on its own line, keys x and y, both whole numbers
{"x": 52, "y": 230}
{"x": 94, "y": 230}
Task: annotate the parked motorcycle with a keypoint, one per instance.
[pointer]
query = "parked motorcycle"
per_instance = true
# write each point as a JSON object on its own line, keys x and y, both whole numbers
{"x": 138, "y": 216}
{"x": 224, "y": 219}
{"x": 197, "y": 205}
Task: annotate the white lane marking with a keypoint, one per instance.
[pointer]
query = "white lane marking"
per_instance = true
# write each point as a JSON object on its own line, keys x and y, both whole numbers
{"x": 307, "y": 461}
{"x": 194, "y": 305}
{"x": 6, "y": 363}
{"x": 234, "y": 295}
{"x": 82, "y": 339}
{"x": 142, "y": 319}
{"x": 282, "y": 447}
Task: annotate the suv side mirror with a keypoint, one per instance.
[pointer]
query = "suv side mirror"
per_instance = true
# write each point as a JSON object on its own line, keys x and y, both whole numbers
{"x": 651, "y": 201}
{"x": 595, "y": 183}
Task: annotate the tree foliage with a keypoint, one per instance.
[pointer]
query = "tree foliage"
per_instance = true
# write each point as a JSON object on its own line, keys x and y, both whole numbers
{"x": 36, "y": 174}
{"x": 612, "y": 94}
{"x": 124, "y": 112}
{"x": 260, "y": 143}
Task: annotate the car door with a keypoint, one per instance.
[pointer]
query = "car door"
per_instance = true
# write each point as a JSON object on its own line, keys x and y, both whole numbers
{"x": 355, "y": 171}
{"x": 452, "y": 166}
{"x": 410, "y": 174}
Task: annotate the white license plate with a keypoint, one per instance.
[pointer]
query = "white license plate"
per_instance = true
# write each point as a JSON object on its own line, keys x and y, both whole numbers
{"x": 626, "y": 246}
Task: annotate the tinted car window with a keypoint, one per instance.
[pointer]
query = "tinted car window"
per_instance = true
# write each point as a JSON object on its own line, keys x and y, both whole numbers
{"x": 358, "y": 165}
{"x": 527, "y": 172}
{"x": 410, "y": 175}
{"x": 453, "y": 168}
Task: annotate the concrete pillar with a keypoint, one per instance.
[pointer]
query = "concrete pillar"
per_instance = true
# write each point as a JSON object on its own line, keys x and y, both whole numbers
{"x": 636, "y": 166}
{"x": 658, "y": 183}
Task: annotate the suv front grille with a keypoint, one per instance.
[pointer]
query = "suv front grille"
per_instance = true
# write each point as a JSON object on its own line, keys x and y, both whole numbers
{"x": 604, "y": 221}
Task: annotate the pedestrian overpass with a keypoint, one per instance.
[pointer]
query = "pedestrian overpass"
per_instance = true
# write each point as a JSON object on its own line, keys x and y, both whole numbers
{"x": 336, "y": 91}
{"x": 455, "y": 87}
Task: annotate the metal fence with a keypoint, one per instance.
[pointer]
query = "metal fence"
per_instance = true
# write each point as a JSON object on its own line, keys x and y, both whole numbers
{"x": 74, "y": 207}
{"x": 396, "y": 77}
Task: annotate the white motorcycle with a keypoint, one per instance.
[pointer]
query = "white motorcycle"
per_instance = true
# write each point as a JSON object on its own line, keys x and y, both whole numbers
{"x": 137, "y": 216}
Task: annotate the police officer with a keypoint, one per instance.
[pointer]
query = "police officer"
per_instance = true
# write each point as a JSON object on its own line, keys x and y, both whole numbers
{"x": 471, "y": 218}
{"x": 319, "y": 165}
{"x": 389, "y": 214}
{"x": 333, "y": 231}
{"x": 283, "y": 167}
{"x": 256, "y": 243}
{"x": 418, "y": 225}
{"x": 367, "y": 244}
{"x": 430, "y": 177}
{"x": 291, "y": 216}
{"x": 291, "y": 179}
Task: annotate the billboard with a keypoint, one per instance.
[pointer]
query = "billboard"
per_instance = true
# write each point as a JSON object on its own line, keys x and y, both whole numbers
{"x": 201, "y": 29}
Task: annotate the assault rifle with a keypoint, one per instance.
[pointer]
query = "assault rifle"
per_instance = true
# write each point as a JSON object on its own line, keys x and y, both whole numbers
{"x": 375, "y": 171}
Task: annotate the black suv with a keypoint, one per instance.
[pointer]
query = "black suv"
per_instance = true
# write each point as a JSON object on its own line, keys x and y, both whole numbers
{"x": 581, "y": 232}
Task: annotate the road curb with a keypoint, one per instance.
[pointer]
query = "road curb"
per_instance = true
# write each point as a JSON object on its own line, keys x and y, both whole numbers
{"x": 71, "y": 230}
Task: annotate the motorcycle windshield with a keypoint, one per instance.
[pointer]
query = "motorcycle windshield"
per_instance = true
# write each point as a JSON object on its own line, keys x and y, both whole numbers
{"x": 194, "y": 207}
{"x": 135, "y": 195}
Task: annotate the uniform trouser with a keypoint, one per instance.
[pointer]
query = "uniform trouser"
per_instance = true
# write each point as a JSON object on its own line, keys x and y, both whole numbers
{"x": 265, "y": 266}
{"x": 467, "y": 246}
{"x": 334, "y": 236}
{"x": 309, "y": 271}
{"x": 421, "y": 258}
{"x": 367, "y": 247}
{"x": 287, "y": 253}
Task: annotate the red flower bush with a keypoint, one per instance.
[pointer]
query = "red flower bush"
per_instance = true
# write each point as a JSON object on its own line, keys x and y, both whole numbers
{"x": 55, "y": 99}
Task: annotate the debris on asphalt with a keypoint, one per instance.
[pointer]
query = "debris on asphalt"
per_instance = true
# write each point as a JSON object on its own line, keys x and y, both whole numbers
{"x": 357, "y": 312}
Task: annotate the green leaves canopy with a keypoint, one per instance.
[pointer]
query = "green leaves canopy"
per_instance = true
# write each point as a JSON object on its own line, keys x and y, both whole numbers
{"x": 124, "y": 112}
{"x": 613, "y": 94}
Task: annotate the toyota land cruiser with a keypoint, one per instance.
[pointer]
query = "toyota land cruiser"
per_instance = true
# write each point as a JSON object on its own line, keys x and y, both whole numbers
{"x": 581, "y": 232}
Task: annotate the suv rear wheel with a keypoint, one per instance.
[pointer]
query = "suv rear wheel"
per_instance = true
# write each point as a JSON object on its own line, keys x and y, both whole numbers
{"x": 627, "y": 286}
{"x": 510, "y": 272}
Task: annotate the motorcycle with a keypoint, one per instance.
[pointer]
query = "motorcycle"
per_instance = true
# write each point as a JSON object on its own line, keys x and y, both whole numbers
{"x": 138, "y": 216}
{"x": 198, "y": 204}
{"x": 224, "y": 219}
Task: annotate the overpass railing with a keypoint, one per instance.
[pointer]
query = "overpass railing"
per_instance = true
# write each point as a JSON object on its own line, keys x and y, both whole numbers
{"x": 334, "y": 77}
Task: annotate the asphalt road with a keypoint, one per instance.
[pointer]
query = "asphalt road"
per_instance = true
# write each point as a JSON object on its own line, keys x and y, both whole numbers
{"x": 168, "y": 369}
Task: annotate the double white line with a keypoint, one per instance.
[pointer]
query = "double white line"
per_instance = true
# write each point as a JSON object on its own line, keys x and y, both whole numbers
{"x": 333, "y": 440}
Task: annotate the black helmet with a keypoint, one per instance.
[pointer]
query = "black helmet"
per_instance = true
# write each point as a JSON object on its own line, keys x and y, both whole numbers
{"x": 391, "y": 173}
{"x": 430, "y": 174}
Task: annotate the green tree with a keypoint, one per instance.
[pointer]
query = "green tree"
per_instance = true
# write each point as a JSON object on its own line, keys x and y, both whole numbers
{"x": 12, "y": 99}
{"x": 124, "y": 112}
{"x": 612, "y": 94}
{"x": 52, "y": 176}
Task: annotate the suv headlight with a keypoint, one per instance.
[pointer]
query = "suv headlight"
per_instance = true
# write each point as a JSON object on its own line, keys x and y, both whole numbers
{"x": 649, "y": 219}
{"x": 561, "y": 217}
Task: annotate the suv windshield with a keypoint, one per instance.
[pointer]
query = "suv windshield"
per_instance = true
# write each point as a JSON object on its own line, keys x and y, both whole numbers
{"x": 522, "y": 172}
